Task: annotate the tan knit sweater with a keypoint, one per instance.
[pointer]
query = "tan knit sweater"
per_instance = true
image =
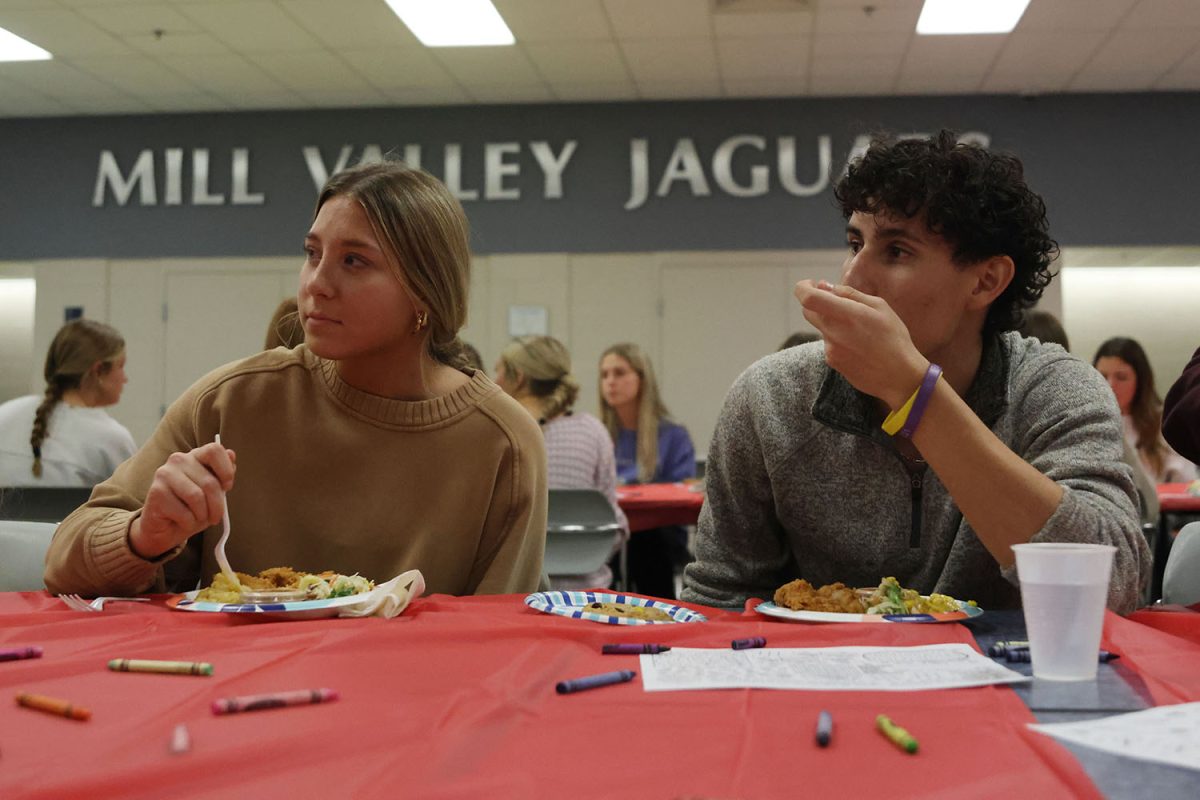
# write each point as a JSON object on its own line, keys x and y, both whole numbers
{"x": 331, "y": 478}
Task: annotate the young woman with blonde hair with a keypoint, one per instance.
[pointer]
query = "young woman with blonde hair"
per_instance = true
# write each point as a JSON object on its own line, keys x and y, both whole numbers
{"x": 536, "y": 371}
{"x": 366, "y": 449}
{"x": 649, "y": 448}
{"x": 64, "y": 437}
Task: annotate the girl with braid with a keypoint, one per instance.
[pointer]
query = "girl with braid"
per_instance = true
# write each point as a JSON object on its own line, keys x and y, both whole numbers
{"x": 64, "y": 437}
{"x": 536, "y": 371}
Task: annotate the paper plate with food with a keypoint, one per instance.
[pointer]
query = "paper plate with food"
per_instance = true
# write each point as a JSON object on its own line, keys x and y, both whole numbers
{"x": 283, "y": 593}
{"x": 799, "y": 601}
{"x": 612, "y": 609}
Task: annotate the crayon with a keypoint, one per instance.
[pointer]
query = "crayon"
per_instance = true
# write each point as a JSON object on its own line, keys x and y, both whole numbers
{"x": 52, "y": 705}
{"x": 256, "y": 702}
{"x": 746, "y": 644}
{"x": 895, "y": 734}
{"x": 824, "y": 728}
{"x": 999, "y": 649}
{"x": 594, "y": 681}
{"x": 1023, "y": 657}
{"x": 19, "y": 653}
{"x": 633, "y": 649}
{"x": 172, "y": 667}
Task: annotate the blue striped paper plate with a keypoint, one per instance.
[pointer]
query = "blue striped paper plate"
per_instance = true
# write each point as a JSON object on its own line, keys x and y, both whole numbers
{"x": 575, "y": 605}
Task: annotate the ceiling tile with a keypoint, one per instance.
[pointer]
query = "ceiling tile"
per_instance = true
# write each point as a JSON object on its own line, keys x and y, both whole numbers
{"x": 17, "y": 100}
{"x": 939, "y": 82}
{"x": 861, "y": 44}
{"x": 1041, "y": 61}
{"x": 762, "y": 57}
{"x": 660, "y": 19}
{"x": 138, "y": 18}
{"x": 112, "y": 104}
{"x": 686, "y": 61}
{"x": 965, "y": 55}
{"x": 738, "y": 24}
{"x": 176, "y": 44}
{"x": 1073, "y": 15}
{"x": 766, "y": 87}
{"x": 136, "y": 75}
{"x": 489, "y": 65}
{"x": 1163, "y": 14}
{"x": 896, "y": 16}
{"x": 284, "y": 98}
{"x": 59, "y": 80}
{"x": 342, "y": 97}
{"x": 582, "y": 62}
{"x": 874, "y": 66}
{"x": 841, "y": 83}
{"x": 399, "y": 68}
{"x": 557, "y": 21}
{"x": 351, "y": 23}
{"x": 511, "y": 93}
{"x": 595, "y": 92}
{"x": 679, "y": 90}
{"x": 1185, "y": 74}
{"x": 1141, "y": 55}
{"x": 251, "y": 27}
{"x": 64, "y": 33}
{"x": 452, "y": 94}
{"x": 185, "y": 101}
{"x": 224, "y": 75}
{"x": 316, "y": 71}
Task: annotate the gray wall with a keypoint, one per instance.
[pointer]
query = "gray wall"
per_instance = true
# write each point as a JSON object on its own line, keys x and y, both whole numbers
{"x": 1114, "y": 169}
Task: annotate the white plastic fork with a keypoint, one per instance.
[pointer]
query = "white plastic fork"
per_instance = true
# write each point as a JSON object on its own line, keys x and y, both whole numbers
{"x": 77, "y": 603}
{"x": 219, "y": 552}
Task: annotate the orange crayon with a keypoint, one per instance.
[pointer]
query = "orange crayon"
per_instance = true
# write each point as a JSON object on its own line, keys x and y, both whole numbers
{"x": 53, "y": 705}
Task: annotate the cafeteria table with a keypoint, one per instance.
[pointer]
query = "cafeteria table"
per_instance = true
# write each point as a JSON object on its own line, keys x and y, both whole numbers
{"x": 655, "y": 505}
{"x": 1175, "y": 505}
{"x": 455, "y": 698}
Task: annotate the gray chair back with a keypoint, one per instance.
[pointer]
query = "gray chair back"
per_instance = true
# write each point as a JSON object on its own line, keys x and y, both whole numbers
{"x": 24, "y": 546}
{"x": 1181, "y": 578}
{"x": 41, "y": 503}
{"x": 581, "y": 529}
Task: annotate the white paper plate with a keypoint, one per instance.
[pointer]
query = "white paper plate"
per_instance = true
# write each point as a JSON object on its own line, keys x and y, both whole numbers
{"x": 268, "y": 612}
{"x": 771, "y": 610}
{"x": 574, "y": 605}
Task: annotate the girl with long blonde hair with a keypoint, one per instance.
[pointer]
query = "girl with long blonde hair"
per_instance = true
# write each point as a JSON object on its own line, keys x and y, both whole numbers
{"x": 649, "y": 448}
{"x": 366, "y": 449}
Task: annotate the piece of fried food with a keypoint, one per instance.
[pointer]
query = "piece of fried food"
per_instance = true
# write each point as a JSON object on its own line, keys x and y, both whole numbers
{"x": 629, "y": 610}
{"x": 799, "y": 595}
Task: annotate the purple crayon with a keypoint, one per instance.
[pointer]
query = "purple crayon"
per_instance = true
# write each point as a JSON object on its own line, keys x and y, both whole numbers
{"x": 746, "y": 644}
{"x": 633, "y": 649}
{"x": 19, "y": 653}
{"x": 256, "y": 702}
{"x": 594, "y": 681}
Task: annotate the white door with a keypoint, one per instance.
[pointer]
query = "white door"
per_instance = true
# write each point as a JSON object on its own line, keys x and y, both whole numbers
{"x": 213, "y": 318}
{"x": 716, "y": 321}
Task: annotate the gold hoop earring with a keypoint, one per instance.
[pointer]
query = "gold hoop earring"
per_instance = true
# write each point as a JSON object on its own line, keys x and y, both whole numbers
{"x": 422, "y": 321}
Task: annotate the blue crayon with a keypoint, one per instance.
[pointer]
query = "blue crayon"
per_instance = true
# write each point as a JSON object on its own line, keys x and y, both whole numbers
{"x": 746, "y": 644}
{"x": 824, "y": 728}
{"x": 594, "y": 681}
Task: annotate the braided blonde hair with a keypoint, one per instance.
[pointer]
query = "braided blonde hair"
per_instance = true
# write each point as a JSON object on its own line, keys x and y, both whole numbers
{"x": 77, "y": 347}
{"x": 545, "y": 366}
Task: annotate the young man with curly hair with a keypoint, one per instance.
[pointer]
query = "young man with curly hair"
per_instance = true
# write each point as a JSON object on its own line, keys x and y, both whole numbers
{"x": 923, "y": 437}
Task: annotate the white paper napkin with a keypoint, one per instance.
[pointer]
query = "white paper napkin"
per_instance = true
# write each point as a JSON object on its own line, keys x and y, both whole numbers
{"x": 389, "y": 599}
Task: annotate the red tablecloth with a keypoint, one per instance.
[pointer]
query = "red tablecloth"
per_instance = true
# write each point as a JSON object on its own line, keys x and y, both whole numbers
{"x": 455, "y": 699}
{"x": 653, "y": 505}
{"x": 1174, "y": 497}
{"x": 1156, "y": 645}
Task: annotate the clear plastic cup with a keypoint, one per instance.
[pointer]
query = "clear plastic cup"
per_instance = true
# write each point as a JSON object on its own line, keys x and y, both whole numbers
{"x": 1064, "y": 590}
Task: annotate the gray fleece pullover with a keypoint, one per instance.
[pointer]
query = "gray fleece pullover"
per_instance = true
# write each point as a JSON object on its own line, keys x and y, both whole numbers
{"x": 802, "y": 482}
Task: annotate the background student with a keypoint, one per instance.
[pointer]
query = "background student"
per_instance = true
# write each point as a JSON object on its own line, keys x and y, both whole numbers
{"x": 64, "y": 437}
{"x": 650, "y": 448}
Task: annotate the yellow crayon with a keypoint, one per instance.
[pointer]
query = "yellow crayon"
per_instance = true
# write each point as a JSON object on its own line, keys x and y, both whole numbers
{"x": 173, "y": 667}
{"x": 898, "y": 736}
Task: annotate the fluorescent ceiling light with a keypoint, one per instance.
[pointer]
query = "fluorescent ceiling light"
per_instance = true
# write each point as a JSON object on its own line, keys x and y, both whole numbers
{"x": 970, "y": 16}
{"x": 14, "y": 48}
{"x": 453, "y": 23}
